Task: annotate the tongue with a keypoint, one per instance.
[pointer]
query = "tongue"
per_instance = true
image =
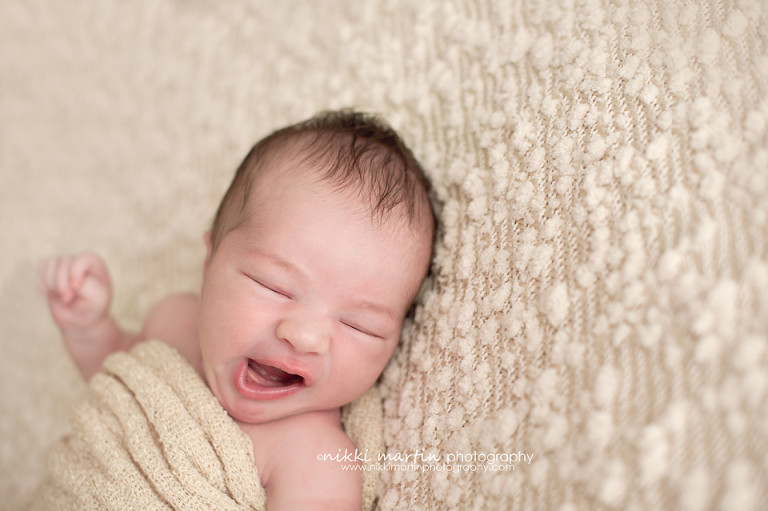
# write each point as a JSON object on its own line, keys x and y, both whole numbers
{"x": 270, "y": 376}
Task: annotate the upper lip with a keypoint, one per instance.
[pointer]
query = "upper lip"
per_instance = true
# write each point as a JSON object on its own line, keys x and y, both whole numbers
{"x": 288, "y": 367}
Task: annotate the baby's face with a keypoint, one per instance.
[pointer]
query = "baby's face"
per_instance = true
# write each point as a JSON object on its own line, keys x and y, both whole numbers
{"x": 302, "y": 305}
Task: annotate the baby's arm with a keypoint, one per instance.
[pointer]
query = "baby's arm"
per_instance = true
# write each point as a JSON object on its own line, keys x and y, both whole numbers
{"x": 79, "y": 295}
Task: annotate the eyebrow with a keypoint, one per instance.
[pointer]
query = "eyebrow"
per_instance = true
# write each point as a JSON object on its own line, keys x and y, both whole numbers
{"x": 281, "y": 263}
{"x": 376, "y": 308}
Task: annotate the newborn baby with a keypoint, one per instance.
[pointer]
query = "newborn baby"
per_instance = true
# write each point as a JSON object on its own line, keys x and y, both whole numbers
{"x": 314, "y": 258}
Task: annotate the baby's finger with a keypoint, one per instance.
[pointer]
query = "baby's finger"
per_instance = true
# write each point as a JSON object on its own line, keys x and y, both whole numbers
{"x": 89, "y": 264}
{"x": 96, "y": 267}
{"x": 81, "y": 265}
{"x": 63, "y": 285}
{"x": 95, "y": 294}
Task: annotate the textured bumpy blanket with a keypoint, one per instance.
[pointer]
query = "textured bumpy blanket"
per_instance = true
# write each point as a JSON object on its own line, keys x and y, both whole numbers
{"x": 599, "y": 297}
{"x": 152, "y": 436}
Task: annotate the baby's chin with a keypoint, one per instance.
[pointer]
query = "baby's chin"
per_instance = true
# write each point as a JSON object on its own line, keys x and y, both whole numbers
{"x": 251, "y": 418}
{"x": 252, "y": 413}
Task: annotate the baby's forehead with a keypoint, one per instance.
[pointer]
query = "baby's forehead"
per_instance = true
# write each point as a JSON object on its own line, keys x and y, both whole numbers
{"x": 288, "y": 172}
{"x": 376, "y": 181}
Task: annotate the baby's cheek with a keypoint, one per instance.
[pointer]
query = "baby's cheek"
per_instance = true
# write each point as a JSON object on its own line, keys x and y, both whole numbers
{"x": 367, "y": 364}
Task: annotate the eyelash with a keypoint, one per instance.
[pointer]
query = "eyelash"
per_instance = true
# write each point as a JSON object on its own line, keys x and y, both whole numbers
{"x": 269, "y": 288}
{"x": 365, "y": 332}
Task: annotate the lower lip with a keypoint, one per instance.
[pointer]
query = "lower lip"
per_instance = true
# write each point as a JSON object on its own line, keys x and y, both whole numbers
{"x": 253, "y": 390}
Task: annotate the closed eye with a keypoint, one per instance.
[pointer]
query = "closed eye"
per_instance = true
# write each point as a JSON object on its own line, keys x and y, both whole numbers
{"x": 361, "y": 330}
{"x": 269, "y": 287}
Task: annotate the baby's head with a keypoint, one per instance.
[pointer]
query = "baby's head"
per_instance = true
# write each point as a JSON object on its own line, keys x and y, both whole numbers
{"x": 315, "y": 255}
{"x": 352, "y": 151}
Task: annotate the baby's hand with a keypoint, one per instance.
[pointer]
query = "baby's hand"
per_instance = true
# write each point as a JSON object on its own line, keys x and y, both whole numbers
{"x": 78, "y": 289}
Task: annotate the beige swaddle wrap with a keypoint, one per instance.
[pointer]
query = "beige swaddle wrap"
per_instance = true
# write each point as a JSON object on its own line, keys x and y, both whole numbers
{"x": 151, "y": 435}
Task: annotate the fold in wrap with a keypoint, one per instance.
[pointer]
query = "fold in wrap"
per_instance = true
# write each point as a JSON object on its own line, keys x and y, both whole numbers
{"x": 151, "y": 435}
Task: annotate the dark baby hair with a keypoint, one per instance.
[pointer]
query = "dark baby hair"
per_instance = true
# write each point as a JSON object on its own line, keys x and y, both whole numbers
{"x": 351, "y": 150}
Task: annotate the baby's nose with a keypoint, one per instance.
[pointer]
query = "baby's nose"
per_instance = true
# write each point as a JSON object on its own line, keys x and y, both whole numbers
{"x": 306, "y": 333}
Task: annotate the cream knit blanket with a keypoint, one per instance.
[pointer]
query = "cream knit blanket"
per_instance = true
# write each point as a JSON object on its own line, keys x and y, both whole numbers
{"x": 153, "y": 436}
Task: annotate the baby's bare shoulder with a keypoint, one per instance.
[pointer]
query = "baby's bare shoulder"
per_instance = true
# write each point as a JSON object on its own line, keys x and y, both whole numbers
{"x": 173, "y": 320}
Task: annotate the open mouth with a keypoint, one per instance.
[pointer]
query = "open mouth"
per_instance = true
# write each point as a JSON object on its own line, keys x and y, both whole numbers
{"x": 257, "y": 380}
{"x": 269, "y": 376}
